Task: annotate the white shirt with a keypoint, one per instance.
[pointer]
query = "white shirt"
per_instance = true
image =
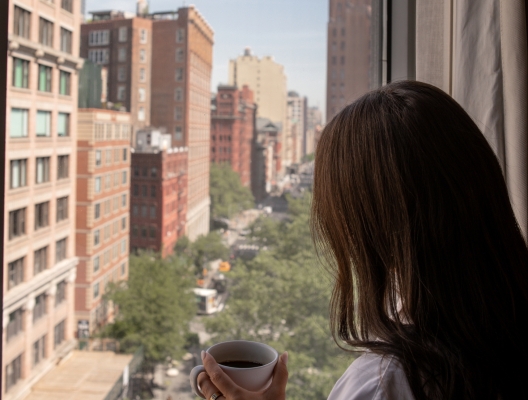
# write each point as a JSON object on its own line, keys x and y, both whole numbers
{"x": 372, "y": 377}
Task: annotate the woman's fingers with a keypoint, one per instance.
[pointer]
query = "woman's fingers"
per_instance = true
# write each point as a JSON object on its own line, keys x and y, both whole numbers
{"x": 218, "y": 377}
{"x": 280, "y": 376}
{"x": 207, "y": 387}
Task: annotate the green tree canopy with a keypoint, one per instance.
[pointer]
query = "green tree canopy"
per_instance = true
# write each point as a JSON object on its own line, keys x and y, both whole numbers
{"x": 204, "y": 249}
{"x": 155, "y": 306}
{"x": 228, "y": 196}
{"x": 281, "y": 298}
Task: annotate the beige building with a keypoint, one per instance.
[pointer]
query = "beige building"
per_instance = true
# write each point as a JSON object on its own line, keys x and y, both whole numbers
{"x": 267, "y": 80}
{"x": 40, "y": 264}
{"x": 102, "y": 212}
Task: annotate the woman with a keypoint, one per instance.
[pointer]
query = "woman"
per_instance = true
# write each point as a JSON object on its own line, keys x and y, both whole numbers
{"x": 411, "y": 210}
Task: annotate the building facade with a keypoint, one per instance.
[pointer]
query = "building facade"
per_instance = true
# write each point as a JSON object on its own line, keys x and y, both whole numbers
{"x": 181, "y": 85}
{"x": 266, "y": 160}
{"x": 102, "y": 211}
{"x": 267, "y": 80}
{"x": 314, "y": 122}
{"x": 122, "y": 44}
{"x": 158, "y": 193}
{"x": 233, "y": 129}
{"x": 296, "y": 128}
{"x": 348, "y": 57}
{"x": 40, "y": 264}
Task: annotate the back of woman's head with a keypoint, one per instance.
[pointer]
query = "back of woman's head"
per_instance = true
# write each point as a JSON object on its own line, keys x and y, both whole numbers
{"x": 410, "y": 206}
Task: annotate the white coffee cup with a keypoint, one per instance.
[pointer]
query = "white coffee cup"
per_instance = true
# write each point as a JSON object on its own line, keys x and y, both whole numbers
{"x": 252, "y": 379}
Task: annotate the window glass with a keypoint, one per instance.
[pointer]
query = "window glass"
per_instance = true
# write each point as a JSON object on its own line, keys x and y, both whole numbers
{"x": 63, "y": 167}
{"x": 96, "y": 264}
{"x": 44, "y": 78}
{"x": 15, "y": 271}
{"x": 45, "y": 32}
{"x": 64, "y": 84}
{"x": 41, "y": 215}
{"x": 18, "y": 124}
{"x": 40, "y": 260}
{"x": 62, "y": 208}
{"x": 123, "y": 34}
{"x": 42, "y": 170}
{"x": 20, "y": 73}
{"x": 63, "y": 124}
{"x": 97, "y": 184}
{"x": 66, "y": 40}
{"x": 60, "y": 250}
{"x": 17, "y": 223}
{"x": 18, "y": 173}
{"x": 43, "y": 123}
{"x": 122, "y": 54}
{"x": 21, "y": 22}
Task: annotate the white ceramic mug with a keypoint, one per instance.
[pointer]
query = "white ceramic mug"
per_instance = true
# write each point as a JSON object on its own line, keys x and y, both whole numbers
{"x": 253, "y": 379}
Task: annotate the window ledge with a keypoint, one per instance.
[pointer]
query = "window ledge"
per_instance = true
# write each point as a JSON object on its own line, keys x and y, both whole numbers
{"x": 20, "y": 89}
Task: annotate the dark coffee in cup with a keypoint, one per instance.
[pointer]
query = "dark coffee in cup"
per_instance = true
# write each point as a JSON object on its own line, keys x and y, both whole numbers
{"x": 241, "y": 364}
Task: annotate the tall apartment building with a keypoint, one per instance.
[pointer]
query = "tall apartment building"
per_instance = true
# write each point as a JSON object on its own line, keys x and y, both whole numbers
{"x": 314, "y": 121}
{"x": 122, "y": 44}
{"x": 266, "y": 161}
{"x": 233, "y": 129}
{"x": 348, "y": 53}
{"x": 40, "y": 264}
{"x": 102, "y": 212}
{"x": 159, "y": 192}
{"x": 296, "y": 127}
{"x": 267, "y": 80}
{"x": 181, "y": 92}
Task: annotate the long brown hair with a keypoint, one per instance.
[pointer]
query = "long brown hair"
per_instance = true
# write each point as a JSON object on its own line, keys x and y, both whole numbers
{"x": 411, "y": 209}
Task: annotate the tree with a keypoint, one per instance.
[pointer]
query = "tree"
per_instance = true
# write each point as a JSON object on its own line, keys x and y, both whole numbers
{"x": 155, "y": 306}
{"x": 281, "y": 297}
{"x": 228, "y": 196}
{"x": 204, "y": 249}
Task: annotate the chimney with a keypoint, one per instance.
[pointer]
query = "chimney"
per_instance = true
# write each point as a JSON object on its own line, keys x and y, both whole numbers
{"x": 142, "y": 8}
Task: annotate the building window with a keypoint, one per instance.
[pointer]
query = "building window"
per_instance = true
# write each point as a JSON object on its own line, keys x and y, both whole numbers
{"x": 143, "y": 232}
{"x": 143, "y": 37}
{"x": 123, "y": 223}
{"x": 40, "y": 260}
{"x": 65, "y": 83}
{"x": 63, "y": 164}
{"x": 123, "y": 34}
{"x": 141, "y": 114}
{"x": 97, "y": 237}
{"x": 97, "y": 185}
{"x": 124, "y": 178}
{"x": 178, "y": 133}
{"x": 18, "y": 123}
{"x": 97, "y": 158}
{"x": 45, "y": 32}
{"x": 178, "y": 94}
{"x": 67, "y": 5}
{"x": 14, "y": 326}
{"x": 21, "y": 21}
{"x": 178, "y": 113}
{"x": 135, "y": 190}
{"x": 180, "y": 35}
{"x": 142, "y": 75}
{"x": 20, "y": 73}
{"x": 121, "y": 93}
{"x": 43, "y": 170}
{"x": 97, "y": 211}
{"x": 60, "y": 250}
{"x": 99, "y": 56}
{"x": 142, "y": 94}
{"x": 144, "y": 191}
{"x": 179, "y": 54}
{"x": 153, "y": 172}
{"x": 152, "y": 232}
{"x": 123, "y": 200}
{"x": 96, "y": 264}
{"x": 99, "y": 38}
{"x": 59, "y": 333}
{"x": 122, "y": 54}
{"x": 38, "y": 350}
{"x": 17, "y": 223}
{"x": 60, "y": 295}
{"x": 15, "y": 273}
{"x": 44, "y": 78}
{"x": 121, "y": 74}
{"x": 41, "y": 215}
{"x": 62, "y": 209}
{"x": 123, "y": 246}
{"x": 43, "y": 123}
{"x": 18, "y": 173}
{"x": 152, "y": 211}
{"x": 135, "y": 230}
{"x": 66, "y": 40}
{"x": 108, "y": 181}
{"x": 125, "y": 154}
{"x": 153, "y": 191}
{"x": 123, "y": 269}
{"x": 179, "y": 74}
{"x": 63, "y": 124}
{"x": 39, "y": 310}
{"x": 135, "y": 210}
{"x": 13, "y": 372}
{"x": 144, "y": 211}
{"x": 142, "y": 55}
{"x": 96, "y": 290}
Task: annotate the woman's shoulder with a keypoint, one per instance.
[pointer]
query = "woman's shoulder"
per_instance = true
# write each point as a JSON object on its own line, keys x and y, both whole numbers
{"x": 372, "y": 377}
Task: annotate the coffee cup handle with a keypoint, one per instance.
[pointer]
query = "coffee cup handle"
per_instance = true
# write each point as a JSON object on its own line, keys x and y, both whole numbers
{"x": 194, "y": 380}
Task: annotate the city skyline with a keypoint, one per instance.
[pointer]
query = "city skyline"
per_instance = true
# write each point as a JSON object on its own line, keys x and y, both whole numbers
{"x": 269, "y": 28}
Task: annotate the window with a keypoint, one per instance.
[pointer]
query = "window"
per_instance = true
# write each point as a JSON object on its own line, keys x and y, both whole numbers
{"x": 65, "y": 83}
{"x": 143, "y": 36}
{"x": 97, "y": 237}
{"x": 123, "y": 223}
{"x": 97, "y": 185}
{"x": 18, "y": 123}
{"x": 135, "y": 230}
{"x": 66, "y": 41}
{"x": 17, "y": 223}
{"x": 108, "y": 181}
{"x": 178, "y": 113}
{"x": 15, "y": 273}
{"x": 43, "y": 169}
{"x": 180, "y": 35}
{"x": 60, "y": 250}
{"x": 39, "y": 310}
{"x": 152, "y": 211}
{"x": 124, "y": 178}
{"x": 58, "y": 333}
{"x": 142, "y": 75}
{"x": 45, "y": 32}
{"x": 144, "y": 211}
{"x": 99, "y": 38}
{"x": 38, "y": 350}
{"x": 123, "y": 269}
{"x": 41, "y": 215}
{"x": 96, "y": 264}
{"x": 14, "y": 326}
{"x": 67, "y": 5}
{"x": 153, "y": 172}
{"x": 123, "y": 246}
{"x": 121, "y": 92}
{"x": 152, "y": 232}
{"x": 40, "y": 260}
{"x": 18, "y": 173}
{"x": 44, "y": 78}
{"x": 21, "y": 21}
{"x": 122, "y": 54}
{"x": 143, "y": 232}
{"x": 123, "y": 34}
{"x": 179, "y": 74}
{"x": 178, "y": 133}
{"x": 135, "y": 191}
{"x": 60, "y": 295}
{"x": 135, "y": 210}
{"x": 97, "y": 211}
{"x": 63, "y": 124}
{"x": 142, "y": 55}
{"x": 179, "y": 54}
{"x": 43, "y": 123}
{"x": 97, "y": 158}
{"x": 63, "y": 166}
{"x": 121, "y": 74}
{"x": 125, "y": 154}
{"x": 141, "y": 114}
{"x": 116, "y": 178}
{"x": 142, "y": 94}
{"x": 96, "y": 290}
{"x": 153, "y": 191}
{"x": 144, "y": 191}
{"x": 20, "y": 73}
{"x": 99, "y": 56}
{"x": 178, "y": 94}
{"x": 62, "y": 209}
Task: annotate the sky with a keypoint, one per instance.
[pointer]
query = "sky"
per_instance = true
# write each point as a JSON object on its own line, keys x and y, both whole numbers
{"x": 292, "y": 31}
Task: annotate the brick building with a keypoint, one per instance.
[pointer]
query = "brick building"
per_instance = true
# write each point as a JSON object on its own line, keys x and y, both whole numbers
{"x": 233, "y": 128}
{"x": 102, "y": 213}
{"x": 181, "y": 84}
{"x": 39, "y": 246}
{"x": 266, "y": 162}
{"x": 122, "y": 44}
{"x": 158, "y": 193}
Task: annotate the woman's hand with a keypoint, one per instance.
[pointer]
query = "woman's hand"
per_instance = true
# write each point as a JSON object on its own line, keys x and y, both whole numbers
{"x": 216, "y": 381}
